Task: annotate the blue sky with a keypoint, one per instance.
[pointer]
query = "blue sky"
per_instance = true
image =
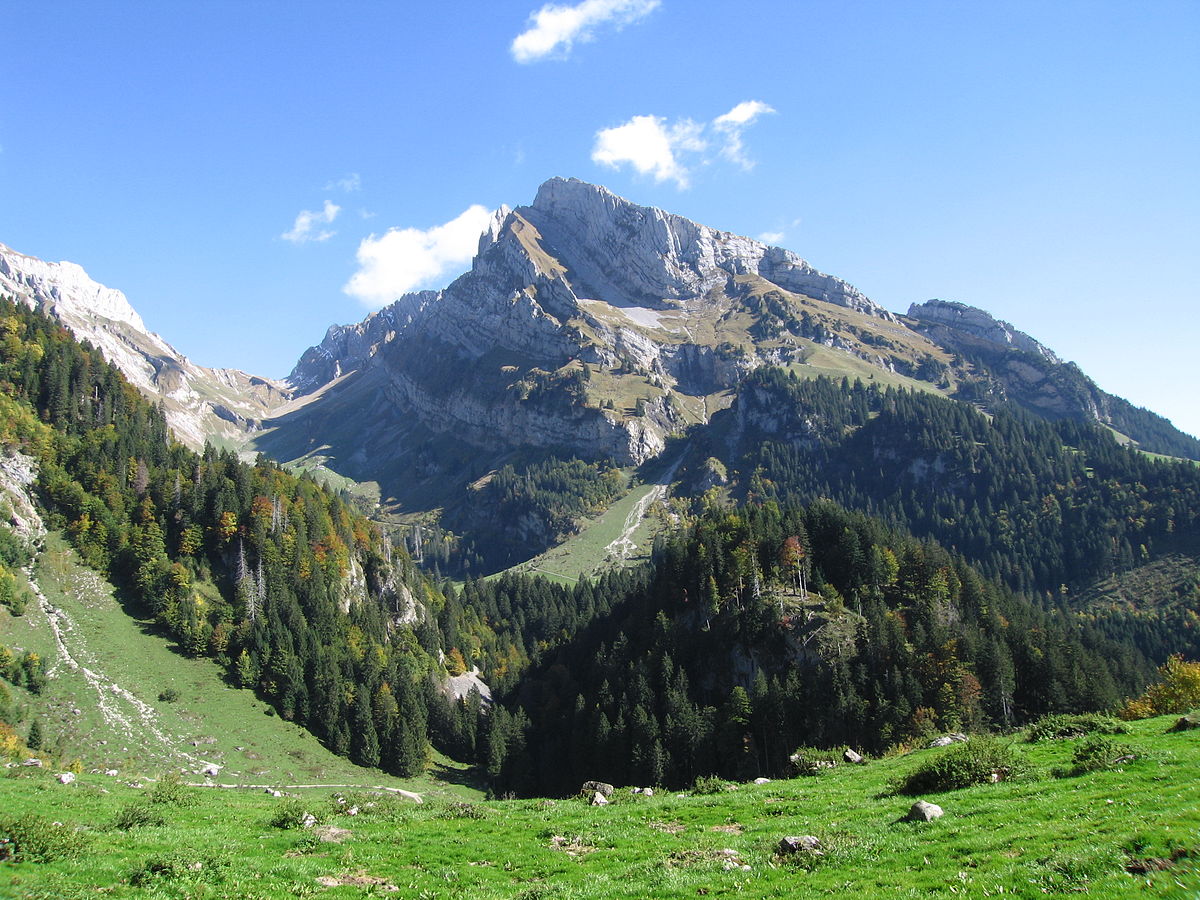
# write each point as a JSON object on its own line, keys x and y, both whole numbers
{"x": 249, "y": 173}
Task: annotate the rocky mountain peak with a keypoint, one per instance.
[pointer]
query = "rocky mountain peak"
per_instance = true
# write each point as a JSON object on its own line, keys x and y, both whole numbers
{"x": 200, "y": 403}
{"x": 64, "y": 285}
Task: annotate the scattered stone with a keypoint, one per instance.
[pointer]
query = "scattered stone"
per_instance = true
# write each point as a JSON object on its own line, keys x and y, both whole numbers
{"x": 66, "y": 777}
{"x": 111, "y": 773}
{"x": 359, "y": 879}
{"x": 598, "y": 799}
{"x": 212, "y": 771}
{"x": 732, "y": 860}
{"x": 635, "y": 790}
{"x": 761, "y": 780}
{"x": 331, "y": 834}
{"x": 853, "y": 757}
{"x": 601, "y": 787}
{"x": 648, "y": 792}
{"x": 33, "y": 761}
{"x": 572, "y": 846}
{"x": 308, "y": 820}
{"x": 352, "y": 811}
{"x": 727, "y": 829}
{"x": 805, "y": 843}
{"x": 922, "y": 811}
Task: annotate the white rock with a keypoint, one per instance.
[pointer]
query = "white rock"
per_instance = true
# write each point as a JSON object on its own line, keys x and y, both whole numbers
{"x": 66, "y": 777}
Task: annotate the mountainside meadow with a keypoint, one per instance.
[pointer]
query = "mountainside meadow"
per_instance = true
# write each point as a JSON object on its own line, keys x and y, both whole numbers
{"x": 1097, "y": 815}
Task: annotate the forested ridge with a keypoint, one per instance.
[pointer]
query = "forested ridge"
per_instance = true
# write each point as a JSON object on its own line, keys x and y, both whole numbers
{"x": 269, "y": 573}
{"x": 1040, "y": 505}
{"x": 770, "y": 628}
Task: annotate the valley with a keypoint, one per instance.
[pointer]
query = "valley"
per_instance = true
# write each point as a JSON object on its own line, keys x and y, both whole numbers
{"x": 692, "y": 512}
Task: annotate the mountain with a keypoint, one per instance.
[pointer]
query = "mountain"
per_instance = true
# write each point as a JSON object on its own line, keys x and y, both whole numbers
{"x": 200, "y": 403}
{"x": 588, "y": 334}
{"x": 1022, "y": 370}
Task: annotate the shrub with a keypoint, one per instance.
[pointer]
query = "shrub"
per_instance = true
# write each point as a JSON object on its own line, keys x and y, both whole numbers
{"x": 1059, "y": 727}
{"x": 138, "y": 815}
{"x": 168, "y": 695}
{"x": 177, "y": 866}
{"x": 31, "y": 838}
{"x": 170, "y": 791}
{"x": 1176, "y": 691}
{"x": 978, "y": 761}
{"x": 290, "y": 814}
{"x": 811, "y": 761}
{"x": 1097, "y": 754}
{"x": 709, "y": 784}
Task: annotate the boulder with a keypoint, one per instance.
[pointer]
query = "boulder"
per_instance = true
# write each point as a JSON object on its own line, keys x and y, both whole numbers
{"x": 761, "y": 780}
{"x": 598, "y": 799}
{"x": 923, "y": 811}
{"x": 33, "y": 761}
{"x": 212, "y": 770}
{"x": 308, "y": 820}
{"x": 65, "y": 777}
{"x": 805, "y": 843}
{"x": 648, "y": 792}
{"x": 111, "y": 773}
{"x": 851, "y": 756}
{"x": 592, "y": 787}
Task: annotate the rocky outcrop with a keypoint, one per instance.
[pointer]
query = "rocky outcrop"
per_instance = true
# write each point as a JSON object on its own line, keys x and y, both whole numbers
{"x": 200, "y": 403}
{"x": 957, "y": 326}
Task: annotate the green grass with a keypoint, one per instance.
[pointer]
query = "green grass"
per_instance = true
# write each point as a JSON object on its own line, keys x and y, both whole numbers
{"x": 1134, "y": 830}
{"x": 211, "y": 721}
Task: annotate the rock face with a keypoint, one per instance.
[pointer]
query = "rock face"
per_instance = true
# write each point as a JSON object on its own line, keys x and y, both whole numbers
{"x": 956, "y": 325}
{"x": 587, "y": 326}
{"x": 200, "y": 403}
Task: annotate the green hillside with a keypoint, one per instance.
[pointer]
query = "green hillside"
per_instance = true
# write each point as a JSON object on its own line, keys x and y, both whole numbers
{"x": 1129, "y": 829}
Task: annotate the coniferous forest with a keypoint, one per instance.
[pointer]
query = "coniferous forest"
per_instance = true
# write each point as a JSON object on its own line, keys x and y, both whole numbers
{"x": 900, "y": 565}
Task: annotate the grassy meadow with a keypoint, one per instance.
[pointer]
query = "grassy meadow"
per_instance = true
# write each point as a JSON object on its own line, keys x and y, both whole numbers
{"x": 1131, "y": 829}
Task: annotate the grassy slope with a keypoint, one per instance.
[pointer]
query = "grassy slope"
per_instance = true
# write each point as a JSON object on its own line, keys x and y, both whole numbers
{"x": 1028, "y": 837}
{"x": 211, "y": 722}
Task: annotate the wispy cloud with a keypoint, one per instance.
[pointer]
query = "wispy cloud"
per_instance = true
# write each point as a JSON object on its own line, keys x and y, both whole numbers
{"x": 652, "y": 146}
{"x": 772, "y": 237}
{"x": 404, "y": 259}
{"x": 733, "y": 123}
{"x": 307, "y": 226}
{"x": 553, "y": 30}
{"x": 348, "y": 183}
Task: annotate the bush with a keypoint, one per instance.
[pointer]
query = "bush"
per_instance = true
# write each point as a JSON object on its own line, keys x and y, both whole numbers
{"x": 811, "y": 761}
{"x": 170, "y": 791}
{"x": 1059, "y": 727}
{"x": 177, "y": 866}
{"x": 1176, "y": 691}
{"x": 709, "y": 784}
{"x": 138, "y": 815}
{"x": 290, "y": 814}
{"x": 978, "y": 761}
{"x": 30, "y": 838}
{"x": 1098, "y": 754}
{"x": 168, "y": 695}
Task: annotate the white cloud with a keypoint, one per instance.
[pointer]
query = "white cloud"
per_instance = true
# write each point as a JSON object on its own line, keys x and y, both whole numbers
{"x": 772, "y": 237}
{"x": 650, "y": 146}
{"x": 308, "y": 224}
{"x": 655, "y": 148}
{"x": 553, "y": 30}
{"x": 733, "y": 123}
{"x": 403, "y": 259}
{"x": 348, "y": 183}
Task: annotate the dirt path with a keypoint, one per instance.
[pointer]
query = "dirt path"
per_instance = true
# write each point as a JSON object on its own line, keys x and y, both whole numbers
{"x": 411, "y": 795}
{"x": 623, "y": 545}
